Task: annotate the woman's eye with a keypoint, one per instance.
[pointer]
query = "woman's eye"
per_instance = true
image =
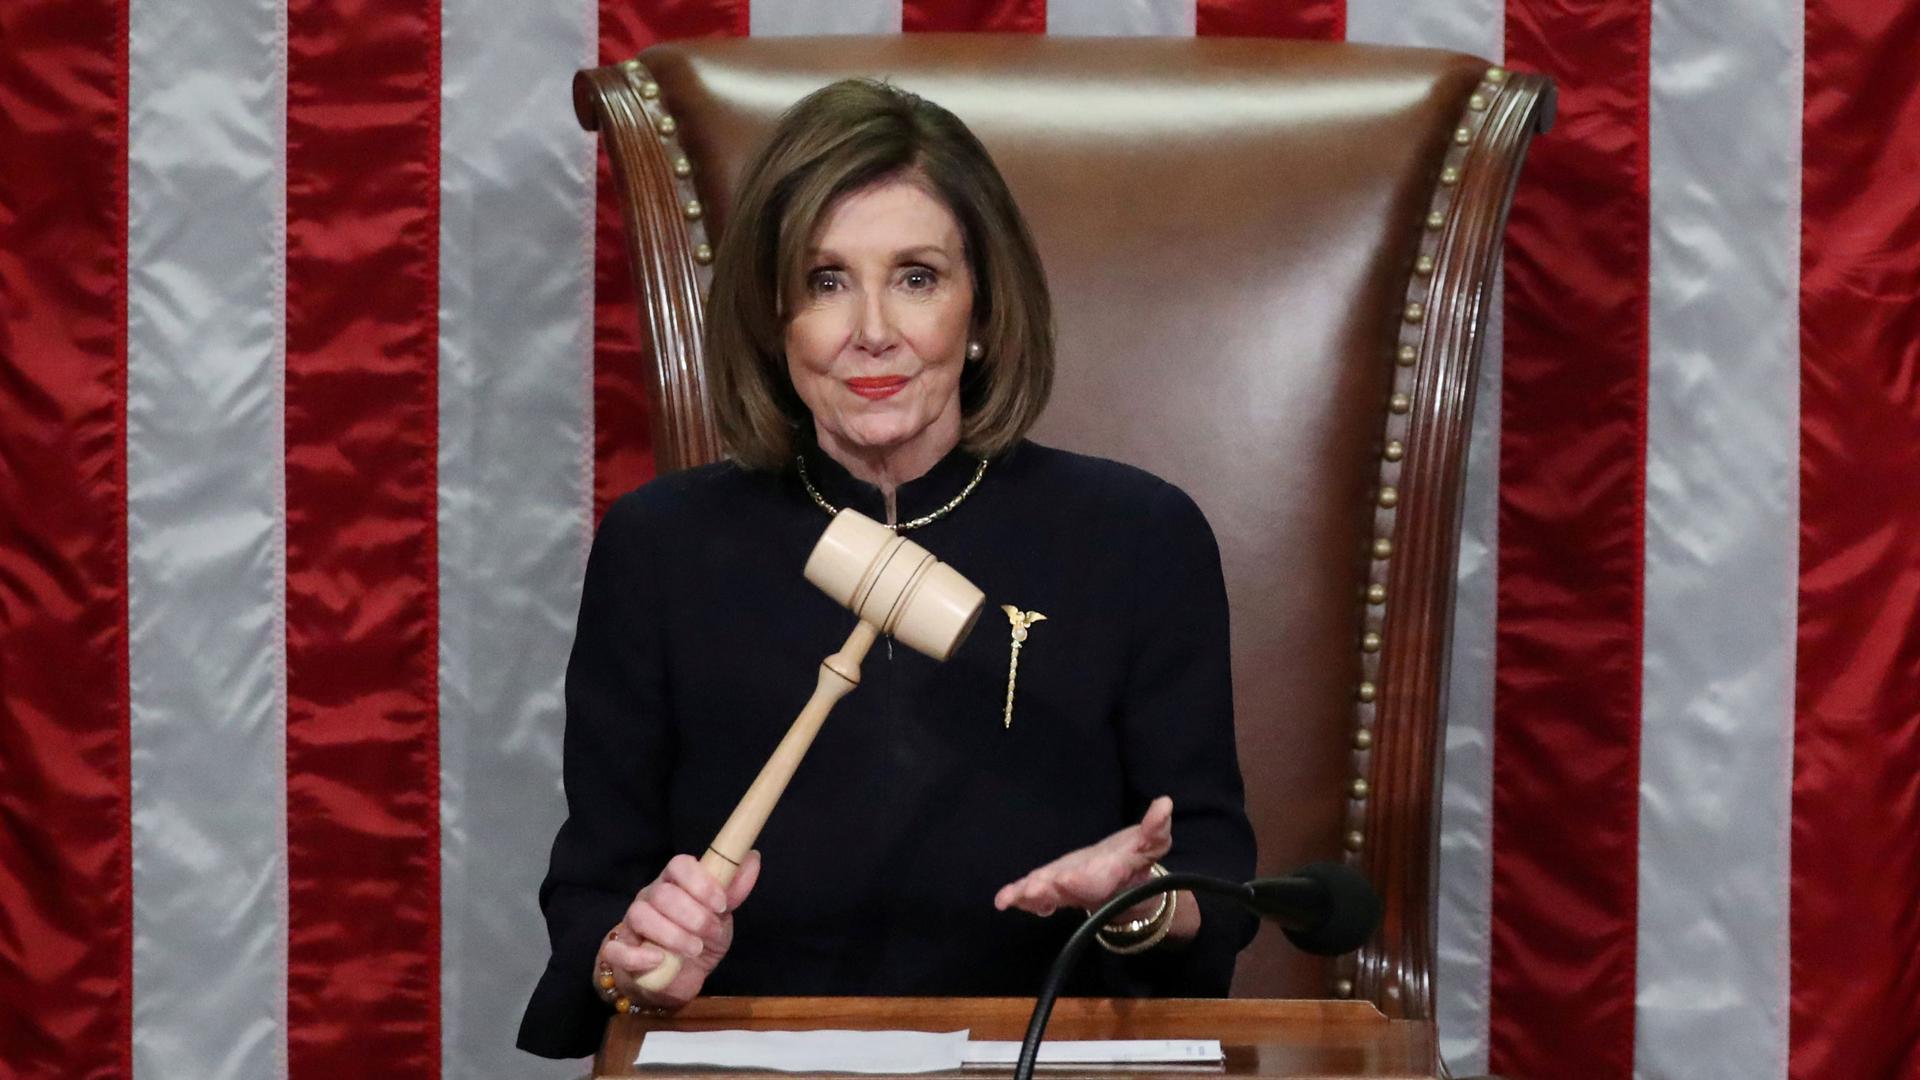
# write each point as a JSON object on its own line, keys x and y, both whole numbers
{"x": 823, "y": 282}
{"x": 918, "y": 279}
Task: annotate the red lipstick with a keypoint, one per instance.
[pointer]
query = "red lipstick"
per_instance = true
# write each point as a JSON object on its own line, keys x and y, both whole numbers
{"x": 875, "y": 387}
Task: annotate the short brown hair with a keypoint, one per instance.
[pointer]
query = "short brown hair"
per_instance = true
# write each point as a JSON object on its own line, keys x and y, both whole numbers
{"x": 843, "y": 138}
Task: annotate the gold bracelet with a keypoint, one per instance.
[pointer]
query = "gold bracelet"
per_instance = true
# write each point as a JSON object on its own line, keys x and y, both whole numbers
{"x": 603, "y": 984}
{"x": 1154, "y": 937}
{"x": 1136, "y": 927}
{"x": 1139, "y": 935}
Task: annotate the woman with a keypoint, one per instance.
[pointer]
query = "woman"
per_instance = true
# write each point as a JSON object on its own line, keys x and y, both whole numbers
{"x": 879, "y": 336}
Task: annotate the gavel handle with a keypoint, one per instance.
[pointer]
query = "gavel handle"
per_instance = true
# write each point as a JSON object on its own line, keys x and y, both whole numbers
{"x": 839, "y": 673}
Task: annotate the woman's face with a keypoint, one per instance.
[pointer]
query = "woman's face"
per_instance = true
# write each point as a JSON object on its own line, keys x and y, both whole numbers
{"x": 878, "y": 335}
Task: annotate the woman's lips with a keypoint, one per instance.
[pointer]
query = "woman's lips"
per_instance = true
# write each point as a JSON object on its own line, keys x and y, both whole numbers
{"x": 875, "y": 387}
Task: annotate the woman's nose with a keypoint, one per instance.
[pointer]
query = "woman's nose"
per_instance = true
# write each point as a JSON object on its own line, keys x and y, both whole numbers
{"x": 874, "y": 331}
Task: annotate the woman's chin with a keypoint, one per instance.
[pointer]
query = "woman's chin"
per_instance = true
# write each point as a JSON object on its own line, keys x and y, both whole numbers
{"x": 881, "y": 428}
{"x": 870, "y": 443}
{"x": 868, "y": 439}
{"x": 871, "y": 429}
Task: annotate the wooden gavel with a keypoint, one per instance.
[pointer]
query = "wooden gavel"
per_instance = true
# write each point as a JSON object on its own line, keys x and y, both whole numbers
{"x": 896, "y": 587}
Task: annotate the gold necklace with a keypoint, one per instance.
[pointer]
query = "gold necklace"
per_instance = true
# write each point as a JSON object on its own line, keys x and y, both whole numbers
{"x": 925, "y": 519}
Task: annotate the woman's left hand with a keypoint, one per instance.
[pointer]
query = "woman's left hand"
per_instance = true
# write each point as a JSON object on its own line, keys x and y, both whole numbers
{"x": 1088, "y": 877}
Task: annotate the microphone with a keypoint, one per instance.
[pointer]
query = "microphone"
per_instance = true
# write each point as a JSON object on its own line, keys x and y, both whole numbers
{"x": 1323, "y": 908}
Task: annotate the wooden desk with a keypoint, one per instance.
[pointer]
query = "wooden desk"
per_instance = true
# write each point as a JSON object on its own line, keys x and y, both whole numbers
{"x": 1261, "y": 1037}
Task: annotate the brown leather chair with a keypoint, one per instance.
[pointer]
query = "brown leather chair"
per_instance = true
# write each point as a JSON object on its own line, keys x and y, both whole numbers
{"x": 1271, "y": 265}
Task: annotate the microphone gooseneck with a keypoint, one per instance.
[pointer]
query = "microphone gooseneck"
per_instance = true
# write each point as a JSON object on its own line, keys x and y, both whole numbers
{"x": 1325, "y": 908}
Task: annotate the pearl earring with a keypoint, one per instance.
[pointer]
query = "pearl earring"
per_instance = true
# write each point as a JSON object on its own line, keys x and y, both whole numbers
{"x": 975, "y": 350}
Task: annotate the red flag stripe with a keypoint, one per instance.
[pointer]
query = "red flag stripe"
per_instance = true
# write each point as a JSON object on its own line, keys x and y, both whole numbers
{"x": 363, "y": 93}
{"x": 622, "y": 443}
{"x": 1320, "y": 20}
{"x": 1855, "y": 999}
{"x": 1572, "y": 469}
{"x": 983, "y": 16}
{"x": 65, "y": 893}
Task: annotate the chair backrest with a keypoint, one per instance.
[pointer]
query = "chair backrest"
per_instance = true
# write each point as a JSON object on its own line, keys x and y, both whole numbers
{"x": 1271, "y": 263}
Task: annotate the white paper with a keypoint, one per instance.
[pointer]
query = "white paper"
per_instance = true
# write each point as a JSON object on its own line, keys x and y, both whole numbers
{"x": 808, "y": 1051}
{"x": 1101, "y": 1051}
{"x": 900, "y": 1051}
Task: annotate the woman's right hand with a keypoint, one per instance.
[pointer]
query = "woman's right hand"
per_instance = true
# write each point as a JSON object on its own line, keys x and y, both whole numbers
{"x": 684, "y": 911}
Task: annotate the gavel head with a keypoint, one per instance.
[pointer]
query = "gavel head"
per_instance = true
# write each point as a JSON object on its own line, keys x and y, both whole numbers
{"x": 895, "y": 584}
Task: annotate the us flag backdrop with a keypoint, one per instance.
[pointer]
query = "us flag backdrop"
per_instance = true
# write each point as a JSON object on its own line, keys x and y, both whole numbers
{"x": 318, "y": 357}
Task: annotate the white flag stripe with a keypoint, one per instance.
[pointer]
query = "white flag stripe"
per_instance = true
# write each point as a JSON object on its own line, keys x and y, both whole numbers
{"x": 1115, "y": 18}
{"x": 783, "y": 18}
{"x": 515, "y": 494}
{"x": 205, "y": 540}
{"x": 1469, "y": 26}
{"x": 1722, "y": 526}
{"x": 1465, "y": 909}
{"x": 1466, "y": 812}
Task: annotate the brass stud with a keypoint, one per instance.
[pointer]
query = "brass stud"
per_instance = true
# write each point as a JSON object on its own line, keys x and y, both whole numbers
{"x": 1450, "y": 175}
{"x": 1395, "y": 450}
{"x": 1496, "y": 76}
{"x": 1367, "y": 692}
{"x": 703, "y": 254}
{"x": 1407, "y": 355}
{"x": 649, "y": 90}
{"x": 1416, "y": 311}
{"x": 1436, "y": 219}
{"x": 1370, "y": 642}
{"x": 1383, "y": 548}
{"x": 682, "y": 168}
{"x": 1356, "y": 840}
{"x": 1376, "y": 593}
{"x": 1462, "y": 136}
{"x": 1389, "y": 497}
{"x": 1363, "y": 739}
{"x": 630, "y": 65}
{"x": 1358, "y": 788}
{"x": 1343, "y": 988}
{"x": 1393, "y": 991}
{"x": 693, "y": 210}
{"x": 1423, "y": 265}
{"x": 1399, "y": 403}
{"x": 1477, "y": 102}
{"x": 666, "y": 126}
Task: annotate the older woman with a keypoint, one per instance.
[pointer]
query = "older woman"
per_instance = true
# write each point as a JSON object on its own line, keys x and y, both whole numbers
{"x": 879, "y": 337}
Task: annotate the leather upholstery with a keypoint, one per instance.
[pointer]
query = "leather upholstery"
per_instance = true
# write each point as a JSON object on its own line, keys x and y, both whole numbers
{"x": 1231, "y": 230}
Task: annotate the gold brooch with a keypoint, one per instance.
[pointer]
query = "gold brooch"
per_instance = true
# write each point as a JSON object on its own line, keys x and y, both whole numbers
{"x": 1021, "y": 621}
